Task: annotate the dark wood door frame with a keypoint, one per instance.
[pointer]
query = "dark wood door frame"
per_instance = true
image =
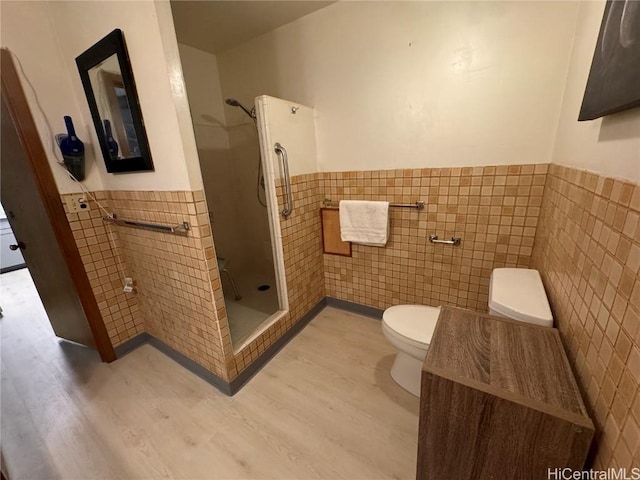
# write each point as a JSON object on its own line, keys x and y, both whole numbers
{"x": 16, "y": 102}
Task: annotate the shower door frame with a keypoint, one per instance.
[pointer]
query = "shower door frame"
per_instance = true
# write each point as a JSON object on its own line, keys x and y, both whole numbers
{"x": 269, "y": 170}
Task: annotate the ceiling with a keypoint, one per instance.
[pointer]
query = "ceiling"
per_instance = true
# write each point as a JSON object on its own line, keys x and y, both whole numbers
{"x": 215, "y": 26}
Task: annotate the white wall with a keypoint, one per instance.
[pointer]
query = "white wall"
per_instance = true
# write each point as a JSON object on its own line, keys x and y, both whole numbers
{"x": 179, "y": 92}
{"x": 416, "y": 84}
{"x": 229, "y": 156}
{"x": 47, "y": 36}
{"x": 609, "y": 145}
{"x": 200, "y": 70}
{"x": 294, "y": 131}
{"x": 28, "y": 31}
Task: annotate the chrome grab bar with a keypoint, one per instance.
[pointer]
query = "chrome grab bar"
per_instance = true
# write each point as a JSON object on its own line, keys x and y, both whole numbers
{"x": 287, "y": 180}
{"x": 181, "y": 229}
{"x": 453, "y": 241}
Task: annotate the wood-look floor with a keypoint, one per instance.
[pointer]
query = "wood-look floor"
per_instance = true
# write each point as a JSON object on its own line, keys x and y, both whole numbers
{"x": 324, "y": 407}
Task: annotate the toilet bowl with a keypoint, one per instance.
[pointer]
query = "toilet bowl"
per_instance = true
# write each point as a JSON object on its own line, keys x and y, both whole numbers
{"x": 409, "y": 328}
{"x": 515, "y": 293}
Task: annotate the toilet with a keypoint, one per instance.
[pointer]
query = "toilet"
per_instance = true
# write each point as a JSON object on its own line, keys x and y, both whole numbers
{"x": 409, "y": 328}
{"x": 515, "y": 293}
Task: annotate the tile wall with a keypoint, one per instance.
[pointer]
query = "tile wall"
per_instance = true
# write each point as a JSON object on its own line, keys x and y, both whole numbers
{"x": 302, "y": 246}
{"x": 179, "y": 297}
{"x": 100, "y": 249}
{"x": 172, "y": 272}
{"x": 587, "y": 248}
{"x": 493, "y": 209}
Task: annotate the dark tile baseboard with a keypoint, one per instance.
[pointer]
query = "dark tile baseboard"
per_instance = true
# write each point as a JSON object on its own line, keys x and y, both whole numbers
{"x": 232, "y": 387}
{"x": 186, "y": 362}
{"x": 13, "y": 268}
{"x": 246, "y": 375}
{"x": 131, "y": 344}
{"x": 192, "y": 366}
{"x": 355, "y": 308}
{"x": 228, "y": 388}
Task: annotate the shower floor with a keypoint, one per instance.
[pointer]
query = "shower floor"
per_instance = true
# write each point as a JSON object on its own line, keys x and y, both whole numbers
{"x": 243, "y": 321}
{"x": 255, "y": 306}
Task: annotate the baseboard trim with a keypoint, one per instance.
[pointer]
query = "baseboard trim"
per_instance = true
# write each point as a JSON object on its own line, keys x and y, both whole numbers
{"x": 355, "y": 308}
{"x": 195, "y": 368}
{"x": 237, "y": 383}
{"x": 228, "y": 388}
{"x": 13, "y": 268}
{"x": 131, "y": 344}
{"x": 233, "y": 387}
{"x": 190, "y": 365}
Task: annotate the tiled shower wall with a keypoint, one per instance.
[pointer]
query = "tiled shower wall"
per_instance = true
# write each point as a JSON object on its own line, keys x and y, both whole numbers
{"x": 493, "y": 209}
{"x": 172, "y": 272}
{"x": 587, "y": 249}
{"x": 302, "y": 247}
{"x": 174, "y": 293}
{"x": 179, "y": 297}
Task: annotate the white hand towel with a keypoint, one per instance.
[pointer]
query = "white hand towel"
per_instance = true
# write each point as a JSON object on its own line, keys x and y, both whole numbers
{"x": 366, "y": 223}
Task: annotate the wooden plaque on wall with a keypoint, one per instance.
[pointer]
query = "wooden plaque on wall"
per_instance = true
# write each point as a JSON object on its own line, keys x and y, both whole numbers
{"x": 331, "y": 241}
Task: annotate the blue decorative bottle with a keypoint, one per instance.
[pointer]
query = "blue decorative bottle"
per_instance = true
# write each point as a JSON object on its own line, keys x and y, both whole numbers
{"x": 112, "y": 145}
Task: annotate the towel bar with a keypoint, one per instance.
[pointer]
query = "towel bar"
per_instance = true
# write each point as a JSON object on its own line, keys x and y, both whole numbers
{"x": 419, "y": 204}
{"x": 453, "y": 241}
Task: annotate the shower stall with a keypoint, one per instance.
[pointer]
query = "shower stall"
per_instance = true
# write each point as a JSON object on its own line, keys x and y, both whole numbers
{"x": 236, "y": 197}
{"x": 249, "y": 148}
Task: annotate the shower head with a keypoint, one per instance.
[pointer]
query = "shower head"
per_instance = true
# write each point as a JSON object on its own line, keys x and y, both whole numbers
{"x": 235, "y": 103}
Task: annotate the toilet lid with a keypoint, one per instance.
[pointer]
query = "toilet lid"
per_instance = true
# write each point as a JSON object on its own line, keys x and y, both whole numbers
{"x": 518, "y": 293}
{"x": 415, "y": 322}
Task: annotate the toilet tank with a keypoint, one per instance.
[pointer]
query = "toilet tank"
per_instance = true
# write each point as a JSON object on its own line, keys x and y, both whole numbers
{"x": 518, "y": 293}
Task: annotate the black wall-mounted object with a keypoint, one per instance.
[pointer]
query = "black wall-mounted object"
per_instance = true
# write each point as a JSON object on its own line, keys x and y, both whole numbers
{"x": 614, "y": 79}
{"x": 72, "y": 150}
{"x": 110, "y": 89}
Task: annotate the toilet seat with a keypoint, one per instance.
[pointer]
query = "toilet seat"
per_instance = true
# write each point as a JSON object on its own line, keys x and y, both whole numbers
{"x": 413, "y": 324}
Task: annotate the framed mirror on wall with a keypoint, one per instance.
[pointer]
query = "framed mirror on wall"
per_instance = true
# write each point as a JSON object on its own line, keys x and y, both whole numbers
{"x": 111, "y": 93}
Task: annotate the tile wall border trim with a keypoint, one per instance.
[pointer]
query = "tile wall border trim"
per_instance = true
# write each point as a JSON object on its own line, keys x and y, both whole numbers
{"x": 228, "y": 388}
{"x": 237, "y": 383}
{"x": 131, "y": 344}
{"x": 355, "y": 308}
{"x": 192, "y": 366}
{"x": 233, "y": 387}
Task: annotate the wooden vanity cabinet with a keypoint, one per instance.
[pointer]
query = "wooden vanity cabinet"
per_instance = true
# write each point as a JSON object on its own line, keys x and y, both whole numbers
{"x": 498, "y": 401}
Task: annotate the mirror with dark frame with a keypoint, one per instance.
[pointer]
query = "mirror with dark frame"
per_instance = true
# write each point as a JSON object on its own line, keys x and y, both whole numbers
{"x": 108, "y": 83}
